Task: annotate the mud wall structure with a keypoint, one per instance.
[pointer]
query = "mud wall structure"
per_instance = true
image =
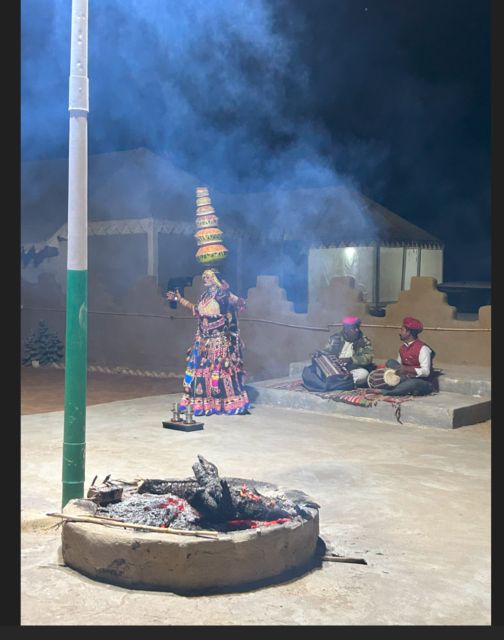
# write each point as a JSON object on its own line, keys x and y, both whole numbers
{"x": 141, "y": 333}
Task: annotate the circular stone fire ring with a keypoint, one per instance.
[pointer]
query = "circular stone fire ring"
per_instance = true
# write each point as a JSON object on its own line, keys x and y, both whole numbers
{"x": 232, "y": 561}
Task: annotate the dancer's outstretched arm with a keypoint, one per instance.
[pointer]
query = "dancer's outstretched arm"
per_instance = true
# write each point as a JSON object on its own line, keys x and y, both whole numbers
{"x": 176, "y": 297}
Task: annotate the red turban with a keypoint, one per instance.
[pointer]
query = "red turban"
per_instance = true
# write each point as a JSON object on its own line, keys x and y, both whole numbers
{"x": 412, "y": 323}
{"x": 351, "y": 320}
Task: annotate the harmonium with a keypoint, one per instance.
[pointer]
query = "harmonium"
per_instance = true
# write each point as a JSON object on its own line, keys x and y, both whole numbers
{"x": 329, "y": 367}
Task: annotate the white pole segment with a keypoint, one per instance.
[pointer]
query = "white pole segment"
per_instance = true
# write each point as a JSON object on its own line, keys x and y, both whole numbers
{"x": 78, "y": 105}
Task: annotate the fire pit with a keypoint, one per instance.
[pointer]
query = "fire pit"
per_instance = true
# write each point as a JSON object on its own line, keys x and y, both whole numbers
{"x": 197, "y": 535}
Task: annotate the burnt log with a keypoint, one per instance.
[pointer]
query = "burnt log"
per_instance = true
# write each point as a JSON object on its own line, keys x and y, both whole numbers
{"x": 181, "y": 488}
{"x": 251, "y": 505}
{"x": 105, "y": 494}
{"x": 219, "y": 501}
{"x": 213, "y": 498}
{"x": 205, "y": 471}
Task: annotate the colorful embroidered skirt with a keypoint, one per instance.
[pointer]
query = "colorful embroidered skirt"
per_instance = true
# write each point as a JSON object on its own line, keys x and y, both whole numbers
{"x": 213, "y": 381}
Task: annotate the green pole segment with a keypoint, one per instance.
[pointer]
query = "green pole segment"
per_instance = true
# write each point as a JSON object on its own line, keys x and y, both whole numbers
{"x": 74, "y": 441}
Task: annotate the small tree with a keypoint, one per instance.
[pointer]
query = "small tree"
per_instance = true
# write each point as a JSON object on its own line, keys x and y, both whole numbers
{"x": 43, "y": 345}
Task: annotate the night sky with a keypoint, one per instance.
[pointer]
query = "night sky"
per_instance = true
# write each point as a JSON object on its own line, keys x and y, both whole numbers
{"x": 392, "y": 96}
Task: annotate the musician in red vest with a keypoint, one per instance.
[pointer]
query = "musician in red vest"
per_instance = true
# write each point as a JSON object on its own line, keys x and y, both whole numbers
{"x": 414, "y": 363}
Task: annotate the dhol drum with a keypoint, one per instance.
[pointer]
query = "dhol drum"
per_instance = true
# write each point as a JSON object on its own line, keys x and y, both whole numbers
{"x": 383, "y": 379}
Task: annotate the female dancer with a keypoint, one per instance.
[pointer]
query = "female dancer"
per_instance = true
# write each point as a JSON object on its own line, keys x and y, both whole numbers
{"x": 213, "y": 381}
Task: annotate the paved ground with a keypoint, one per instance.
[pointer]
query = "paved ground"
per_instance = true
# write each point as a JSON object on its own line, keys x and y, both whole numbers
{"x": 413, "y": 501}
{"x": 43, "y": 389}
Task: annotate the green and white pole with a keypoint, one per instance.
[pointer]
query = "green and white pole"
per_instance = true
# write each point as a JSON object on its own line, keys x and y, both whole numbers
{"x": 74, "y": 440}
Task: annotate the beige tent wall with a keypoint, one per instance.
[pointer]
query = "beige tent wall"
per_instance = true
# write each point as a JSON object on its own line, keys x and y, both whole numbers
{"x": 176, "y": 257}
{"x": 397, "y": 265}
{"x": 327, "y": 263}
{"x": 322, "y": 264}
{"x": 411, "y": 262}
{"x": 55, "y": 266}
{"x": 431, "y": 263}
{"x": 391, "y": 267}
{"x": 118, "y": 260}
{"x": 364, "y": 271}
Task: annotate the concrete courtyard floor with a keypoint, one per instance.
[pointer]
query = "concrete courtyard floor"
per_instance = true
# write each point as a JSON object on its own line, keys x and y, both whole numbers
{"x": 413, "y": 501}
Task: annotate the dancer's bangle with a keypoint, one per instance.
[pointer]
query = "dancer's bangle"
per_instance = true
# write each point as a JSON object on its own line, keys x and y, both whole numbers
{"x": 185, "y": 303}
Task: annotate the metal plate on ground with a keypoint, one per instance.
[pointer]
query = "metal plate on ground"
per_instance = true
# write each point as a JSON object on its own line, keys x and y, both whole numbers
{"x": 183, "y": 426}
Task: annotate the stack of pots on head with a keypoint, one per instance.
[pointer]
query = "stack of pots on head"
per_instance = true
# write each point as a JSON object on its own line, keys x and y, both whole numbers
{"x": 210, "y": 251}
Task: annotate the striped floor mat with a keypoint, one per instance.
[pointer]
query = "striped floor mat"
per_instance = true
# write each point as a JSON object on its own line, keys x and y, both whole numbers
{"x": 360, "y": 397}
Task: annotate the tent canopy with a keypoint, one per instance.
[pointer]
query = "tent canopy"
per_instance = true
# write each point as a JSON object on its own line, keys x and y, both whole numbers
{"x": 140, "y": 184}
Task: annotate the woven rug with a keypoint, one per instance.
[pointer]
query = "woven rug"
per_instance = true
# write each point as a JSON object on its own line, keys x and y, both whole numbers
{"x": 359, "y": 397}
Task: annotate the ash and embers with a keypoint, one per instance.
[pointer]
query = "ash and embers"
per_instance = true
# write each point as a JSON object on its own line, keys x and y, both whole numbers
{"x": 154, "y": 510}
{"x": 208, "y": 502}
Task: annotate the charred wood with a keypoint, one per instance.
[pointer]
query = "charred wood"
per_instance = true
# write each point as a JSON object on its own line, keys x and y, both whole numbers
{"x": 181, "y": 488}
{"x": 207, "y": 500}
{"x": 105, "y": 494}
{"x": 217, "y": 501}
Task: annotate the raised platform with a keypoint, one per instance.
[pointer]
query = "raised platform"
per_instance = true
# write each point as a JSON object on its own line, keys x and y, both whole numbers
{"x": 446, "y": 409}
{"x": 463, "y": 379}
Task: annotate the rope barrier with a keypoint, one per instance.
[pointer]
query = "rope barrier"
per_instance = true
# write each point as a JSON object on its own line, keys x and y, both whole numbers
{"x": 125, "y": 371}
{"x": 262, "y": 321}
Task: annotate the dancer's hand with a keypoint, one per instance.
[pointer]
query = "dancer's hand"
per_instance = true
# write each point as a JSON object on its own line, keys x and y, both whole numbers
{"x": 172, "y": 295}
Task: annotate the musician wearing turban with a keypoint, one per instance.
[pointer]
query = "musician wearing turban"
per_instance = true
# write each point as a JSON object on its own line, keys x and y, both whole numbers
{"x": 414, "y": 363}
{"x": 353, "y": 348}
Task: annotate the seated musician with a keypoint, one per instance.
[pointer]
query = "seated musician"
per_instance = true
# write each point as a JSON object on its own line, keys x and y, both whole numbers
{"x": 351, "y": 354}
{"x": 414, "y": 363}
{"x": 353, "y": 349}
